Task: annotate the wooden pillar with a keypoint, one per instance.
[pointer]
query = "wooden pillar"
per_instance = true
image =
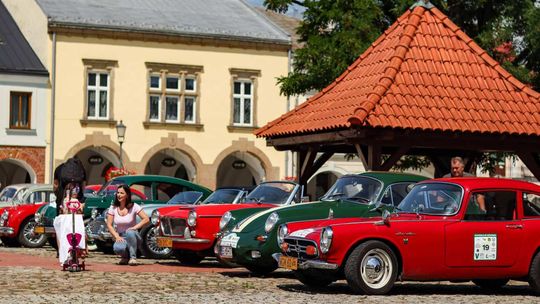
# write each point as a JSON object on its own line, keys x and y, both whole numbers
{"x": 374, "y": 157}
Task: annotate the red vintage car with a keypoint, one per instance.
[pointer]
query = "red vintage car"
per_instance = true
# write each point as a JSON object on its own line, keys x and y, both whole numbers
{"x": 480, "y": 229}
{"x": 17, "y": 221}
{"x": 191, "y": 231}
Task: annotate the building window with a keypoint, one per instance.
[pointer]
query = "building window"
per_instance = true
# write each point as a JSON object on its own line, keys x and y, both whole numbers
{"x": 177, "y": 100}
{"x": 20, "y": 108}
{"x": 243, "y": 109}
{"x": 98, "y": 96}
{"x": 98, "y": 79}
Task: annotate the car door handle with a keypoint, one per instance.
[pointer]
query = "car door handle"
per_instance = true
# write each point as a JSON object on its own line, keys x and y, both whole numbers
{"x": 514, "y": 226}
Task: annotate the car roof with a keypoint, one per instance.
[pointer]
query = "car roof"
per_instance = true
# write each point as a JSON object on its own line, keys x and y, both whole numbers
{"x": 392, "y": 177}
{"x": 39, "y": 186}
{"x": 18, "y": 186}
{"x": 160, "y": 178}
{"x": 488, "y": 182}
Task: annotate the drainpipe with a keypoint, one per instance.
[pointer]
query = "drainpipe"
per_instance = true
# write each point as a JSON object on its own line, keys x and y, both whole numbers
{"x": 53, "y": 103}
{"x": 289, "y": 69}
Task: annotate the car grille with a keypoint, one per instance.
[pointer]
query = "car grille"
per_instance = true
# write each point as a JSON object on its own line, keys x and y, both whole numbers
{"x": 96, "y": 226}
{"x": 173, "y": 226}
{"x": 297, "y": 248}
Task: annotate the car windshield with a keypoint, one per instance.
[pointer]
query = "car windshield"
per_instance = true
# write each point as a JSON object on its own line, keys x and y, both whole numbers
{"x": 186, "y": 197}
{"x": 7, "y": 194}
{"x": 434, "y": 199}
{"x": 19, "y": 197}
{"x": 110, "y": 188}
{"x": 222, "y": 196}
{"x": 272, "y": 192}
{"x": 354, "y": 188}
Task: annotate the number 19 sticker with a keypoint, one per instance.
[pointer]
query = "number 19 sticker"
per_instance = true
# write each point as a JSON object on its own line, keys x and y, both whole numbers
{"x": 485, "y": 247}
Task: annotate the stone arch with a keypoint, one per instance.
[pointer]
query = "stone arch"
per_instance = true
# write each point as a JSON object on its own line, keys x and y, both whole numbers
{"x": 96, "y": 139}
{"x": 244, "y": 145}
{"x": 16, "y": 174}
{"x": 31, "y": 159}
{"x": 321, "y": 181}
{"x": 174, "y": 143}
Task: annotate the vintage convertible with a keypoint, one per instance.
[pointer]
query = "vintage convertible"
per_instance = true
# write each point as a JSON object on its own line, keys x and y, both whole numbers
{"x": 97, "y": 229}
{"x": 479, "y": 229}
{"x": 191, "y": 231}
{"x": 252, "y": 243}
{"x": 17, "y": 222}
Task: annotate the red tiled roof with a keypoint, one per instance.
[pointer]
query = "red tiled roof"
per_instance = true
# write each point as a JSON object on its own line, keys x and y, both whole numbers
{"x": 423, "y": 73}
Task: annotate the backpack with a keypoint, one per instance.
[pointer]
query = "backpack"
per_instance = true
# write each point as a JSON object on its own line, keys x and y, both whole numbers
{"x": 72, "y": 171}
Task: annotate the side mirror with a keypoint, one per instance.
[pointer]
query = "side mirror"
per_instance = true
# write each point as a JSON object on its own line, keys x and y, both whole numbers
{"x": 386, "y": 217}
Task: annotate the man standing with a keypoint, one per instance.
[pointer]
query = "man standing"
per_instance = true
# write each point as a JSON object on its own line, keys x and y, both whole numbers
{"x": 457, "y": 169}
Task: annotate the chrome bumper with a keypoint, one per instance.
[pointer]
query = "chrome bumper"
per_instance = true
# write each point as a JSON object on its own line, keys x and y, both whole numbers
{"x": 307, "y": 264}
{"x": 191, "y": 241}
{"x": 6, "y": 231}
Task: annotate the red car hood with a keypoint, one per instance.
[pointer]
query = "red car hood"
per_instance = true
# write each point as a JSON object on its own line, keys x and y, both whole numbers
{"x": 212, "y": 210}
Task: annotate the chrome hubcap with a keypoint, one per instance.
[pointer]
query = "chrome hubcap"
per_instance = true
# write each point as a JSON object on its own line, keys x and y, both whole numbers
{"x": 152, "y": 243}
{"x": 376, "y": 268}
{"x": 30, "y": 236}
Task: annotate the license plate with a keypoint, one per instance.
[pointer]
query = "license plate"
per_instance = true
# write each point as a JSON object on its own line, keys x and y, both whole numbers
{"x": 288, "y": 262}
{"x": 225, "y": 252}
{"x": 39, "y": 230}
{"x": 164, "y": 242}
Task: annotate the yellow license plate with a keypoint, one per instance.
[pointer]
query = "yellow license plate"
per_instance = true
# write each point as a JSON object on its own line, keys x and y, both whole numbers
{"x": 39, "y": 230}
{"x": 164, "y": 242}
{"x": 288, "y": 262}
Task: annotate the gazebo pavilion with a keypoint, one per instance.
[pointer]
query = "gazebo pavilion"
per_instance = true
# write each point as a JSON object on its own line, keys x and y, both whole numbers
{"x": 423, "y": 88}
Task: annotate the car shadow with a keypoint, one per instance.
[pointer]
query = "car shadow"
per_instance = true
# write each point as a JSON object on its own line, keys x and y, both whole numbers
{"x": 418, "y": 289}
{"x": 244, "y": 273}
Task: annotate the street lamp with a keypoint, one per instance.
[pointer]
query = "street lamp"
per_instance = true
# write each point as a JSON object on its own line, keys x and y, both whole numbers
{"x": 121, "y": 132}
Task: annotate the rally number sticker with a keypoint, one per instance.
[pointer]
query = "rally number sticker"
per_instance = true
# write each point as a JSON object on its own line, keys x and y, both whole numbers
{"x": 485, "y": 247}
{"x": 230, "y": 240}
{"x": 302, "y": 233}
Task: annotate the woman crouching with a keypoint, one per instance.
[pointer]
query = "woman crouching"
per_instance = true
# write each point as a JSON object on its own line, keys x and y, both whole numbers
{"x": 123, "y": 214}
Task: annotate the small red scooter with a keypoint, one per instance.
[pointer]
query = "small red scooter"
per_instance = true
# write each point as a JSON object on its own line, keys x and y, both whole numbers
{"x": 74, "y": 263}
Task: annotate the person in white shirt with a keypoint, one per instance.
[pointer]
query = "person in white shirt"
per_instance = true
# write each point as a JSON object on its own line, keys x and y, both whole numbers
{"x": 123, "y": 213}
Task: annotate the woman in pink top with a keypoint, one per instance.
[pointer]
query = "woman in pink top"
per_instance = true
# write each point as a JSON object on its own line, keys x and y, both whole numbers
{"x": 123, "y": 213}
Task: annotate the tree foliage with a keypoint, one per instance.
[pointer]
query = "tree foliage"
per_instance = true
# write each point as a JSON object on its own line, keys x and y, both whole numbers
{"x": 336, "y": 32}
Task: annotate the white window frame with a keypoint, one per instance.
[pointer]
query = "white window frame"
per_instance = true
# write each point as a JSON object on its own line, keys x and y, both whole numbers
{"x": 178, "y": 98}
{"x": 178, "y": 77}
{"x": 185, "y": 78}
{"x": 194, "y": 114}
{"x": 158, "y": 95}
{"x": 98, "y": 89}
{"x": 242, "y": 97}
{"x": 150, "y": 82}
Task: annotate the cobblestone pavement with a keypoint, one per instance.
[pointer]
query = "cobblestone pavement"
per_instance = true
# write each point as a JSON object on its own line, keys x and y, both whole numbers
{"x": 25, "y": 284}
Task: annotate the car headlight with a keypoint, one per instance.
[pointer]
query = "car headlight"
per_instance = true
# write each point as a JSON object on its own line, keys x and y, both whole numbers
{"x": 192, "y": 218}
{"x": 154, "y": 218}
{"x": 94, "y": 214}
{"x": 38, "y": 217}
{"x": 271, "y": 222}
{"x": 5, "y": 215}
{"x": 283, "y": 230}
{"x": 225, "y": 219}
{"x": 326, "y": 239}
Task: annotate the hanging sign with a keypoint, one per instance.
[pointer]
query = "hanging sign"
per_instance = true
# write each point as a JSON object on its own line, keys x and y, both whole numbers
{"x": 239, "y": 164}
{"x": 168, "y": 162}
{"x": 95, "y": 160}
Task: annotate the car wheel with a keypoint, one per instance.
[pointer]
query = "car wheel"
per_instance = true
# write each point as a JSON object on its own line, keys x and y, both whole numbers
{"x": 490, "y": 284}
{"x": 534, "y": 273}
{"x": 188, "y": 257}
{"x": 149, "y": 247}
{"x": 261, "y": 270}
{"x": 9, "y": 242}
{"x": 28, "y": 238}
{"x": 314, "y": 278}
{"x": 371, "y": 268}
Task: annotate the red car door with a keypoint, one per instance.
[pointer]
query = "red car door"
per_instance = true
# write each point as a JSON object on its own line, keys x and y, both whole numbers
{"x": 490, "y": 238}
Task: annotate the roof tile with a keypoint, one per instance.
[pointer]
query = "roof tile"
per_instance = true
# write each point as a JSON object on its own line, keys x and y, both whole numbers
{"x": 423, "y": 73}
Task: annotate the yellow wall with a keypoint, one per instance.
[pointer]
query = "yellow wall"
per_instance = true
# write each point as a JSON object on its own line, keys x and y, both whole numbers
{"x": 130, "y": 94}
